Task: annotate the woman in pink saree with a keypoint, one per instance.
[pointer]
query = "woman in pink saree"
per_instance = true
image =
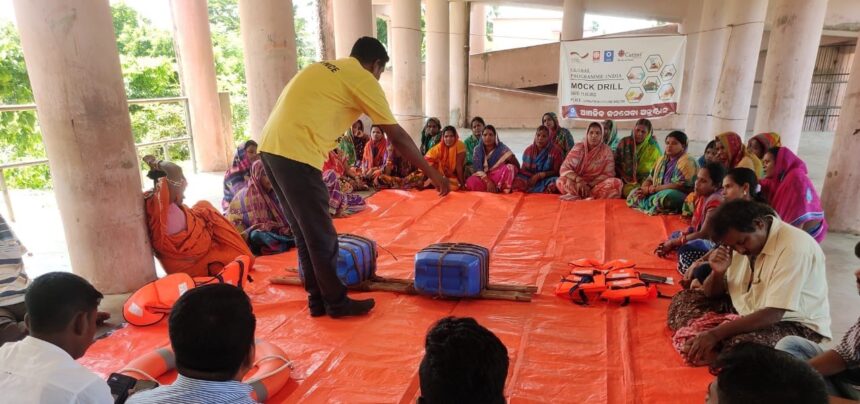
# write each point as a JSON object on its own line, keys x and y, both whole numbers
{"x": 588, "y": 171}
{"x": 494, "y": 163}
{"x": 789, "y": 190}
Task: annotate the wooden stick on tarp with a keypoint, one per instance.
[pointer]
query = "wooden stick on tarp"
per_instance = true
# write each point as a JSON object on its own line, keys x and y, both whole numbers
{"x": 514, "y": 293}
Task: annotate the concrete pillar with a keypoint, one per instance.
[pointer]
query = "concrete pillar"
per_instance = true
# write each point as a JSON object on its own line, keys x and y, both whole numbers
{"x": 74, "y": 69}
{"x": 691, "y": 27}
{"x": 197, "y": 74}
{"x": 406, "y": 64}
{"x": 791, "y": 52}
{"x": 572, "y": 20}
{"x": 712, "y": 42}
{"x": 325, "y": 19}
{"x": 477, "y": 28}
{"x": 842, "y": 184}
{"x": 269, "y": 39}
{"x": 459, "y": 58}
{"x": 436, "y": 21}
{"x": 735, "y": 89}
{"x": 353, "y": 19}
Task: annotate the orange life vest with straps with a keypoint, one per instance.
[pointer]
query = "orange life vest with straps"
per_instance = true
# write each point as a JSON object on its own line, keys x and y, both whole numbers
{"x": 614, "y": 281}
{"x": 153, "y": 301}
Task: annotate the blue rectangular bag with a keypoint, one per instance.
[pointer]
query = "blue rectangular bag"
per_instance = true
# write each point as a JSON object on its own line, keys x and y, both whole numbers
{"x": 452, "y": 270}
{"x": 356, "y": 259}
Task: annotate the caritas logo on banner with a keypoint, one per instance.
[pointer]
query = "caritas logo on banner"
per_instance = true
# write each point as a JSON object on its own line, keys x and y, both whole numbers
{"x": 621, "y": 78}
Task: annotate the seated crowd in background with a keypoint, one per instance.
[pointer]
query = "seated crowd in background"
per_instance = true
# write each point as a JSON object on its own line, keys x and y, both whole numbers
{"x": 602, "y": 166}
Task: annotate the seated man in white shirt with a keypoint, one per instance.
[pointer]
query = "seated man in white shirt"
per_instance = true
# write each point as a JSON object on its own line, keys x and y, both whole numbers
{"x": 211, "y": 331}
{"x": 62, "y": 319}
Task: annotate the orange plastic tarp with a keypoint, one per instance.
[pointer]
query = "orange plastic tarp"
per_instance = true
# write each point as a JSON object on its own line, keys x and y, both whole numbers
{"x": 559, "y": 352}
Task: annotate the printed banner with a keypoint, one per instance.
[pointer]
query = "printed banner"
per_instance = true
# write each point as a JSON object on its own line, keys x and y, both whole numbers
{"x": 621, "y": 78}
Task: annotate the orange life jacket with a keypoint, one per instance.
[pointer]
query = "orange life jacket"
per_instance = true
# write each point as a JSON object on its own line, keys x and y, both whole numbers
{"x": 153, "y": 301}
{"x": 614, "y": 281}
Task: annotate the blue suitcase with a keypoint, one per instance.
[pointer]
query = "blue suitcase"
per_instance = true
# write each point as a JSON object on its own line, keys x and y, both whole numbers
{"x": 452, "y": 270}
{"x": 356, "y": 259}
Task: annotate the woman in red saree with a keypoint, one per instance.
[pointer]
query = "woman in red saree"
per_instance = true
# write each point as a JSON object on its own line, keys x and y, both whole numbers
{"x": 588, "y": 171}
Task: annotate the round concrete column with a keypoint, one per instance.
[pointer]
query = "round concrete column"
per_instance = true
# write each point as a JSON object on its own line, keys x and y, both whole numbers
{"x": 791, "y": 52}
{"x": 325, "y": 21}
{"x": 477, "y": 28}
{"x": 406, "y": 64}
{"x": 197, "y": 75}
{"x": 842, "y": 184}
{"x": 269, "y": 39}
{"x": 353, "y": 19}
{"x": 713, "y": 38}
{"x": 734, "y": 92}
{"x": 459, "y": 58}
{"x": 73, "y": 64}
{"x": 436, "y": 20}
{"x": 691, "y": 28}
{"x": 572, "y": 20}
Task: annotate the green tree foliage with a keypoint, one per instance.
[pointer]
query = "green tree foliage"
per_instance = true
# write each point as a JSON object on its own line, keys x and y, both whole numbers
{"x": 149, "y": 70}
{"x": 382, "y": 32}
{"x": 20, "y": 138}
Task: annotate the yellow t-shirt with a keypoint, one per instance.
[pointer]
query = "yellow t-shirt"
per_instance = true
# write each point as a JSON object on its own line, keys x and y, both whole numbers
{"x": 318, "y": 105}
{"x": 789, "y": 274}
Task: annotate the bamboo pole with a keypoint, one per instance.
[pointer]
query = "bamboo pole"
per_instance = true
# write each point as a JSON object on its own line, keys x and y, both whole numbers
{"x": 407, "y": 287}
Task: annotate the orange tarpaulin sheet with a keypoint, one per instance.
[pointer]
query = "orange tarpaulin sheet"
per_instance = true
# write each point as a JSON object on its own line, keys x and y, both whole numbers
{"x": 560, "y": 352}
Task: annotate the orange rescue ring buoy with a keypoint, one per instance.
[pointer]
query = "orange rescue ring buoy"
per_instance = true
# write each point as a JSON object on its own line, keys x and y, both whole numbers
{"x": 272, "y": 368}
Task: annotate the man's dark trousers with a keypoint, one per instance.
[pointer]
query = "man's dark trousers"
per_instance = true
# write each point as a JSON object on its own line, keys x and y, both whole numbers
{"x": 304, "y": 198}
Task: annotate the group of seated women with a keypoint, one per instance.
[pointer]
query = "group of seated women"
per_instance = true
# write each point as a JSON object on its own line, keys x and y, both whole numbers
{"x": 601, "y": 166}
{"x": 751, "y": 264}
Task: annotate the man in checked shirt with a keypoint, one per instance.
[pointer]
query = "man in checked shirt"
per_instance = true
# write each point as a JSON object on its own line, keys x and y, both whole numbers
{"x": 840, "y": 366}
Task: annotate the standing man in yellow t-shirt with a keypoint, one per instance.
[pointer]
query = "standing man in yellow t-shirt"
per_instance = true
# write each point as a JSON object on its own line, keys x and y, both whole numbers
{"x": 314, "y": 109}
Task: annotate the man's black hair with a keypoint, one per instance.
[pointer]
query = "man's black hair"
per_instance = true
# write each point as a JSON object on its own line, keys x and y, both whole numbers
{"x": 211, "y": 330}
{"x": 368, "y": 50}
{"x": 716, "y": 171}
{"x": 55, "y": 298}
{"x": 755, "y": 373}
{"x": 739, "y": 215}
{"x": 463, "y": 363}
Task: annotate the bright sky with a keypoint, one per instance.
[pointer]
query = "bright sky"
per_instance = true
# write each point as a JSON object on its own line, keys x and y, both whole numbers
{"x": 158, "y": 11}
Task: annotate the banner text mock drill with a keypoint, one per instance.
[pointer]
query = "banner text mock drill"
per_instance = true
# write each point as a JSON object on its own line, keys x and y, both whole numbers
{"x": 621, "y": 78}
